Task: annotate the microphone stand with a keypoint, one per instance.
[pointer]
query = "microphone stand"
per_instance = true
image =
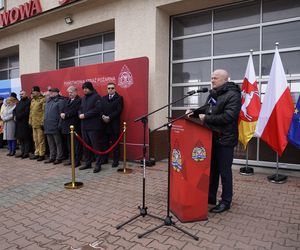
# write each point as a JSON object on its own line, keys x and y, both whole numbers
{"x": 144, "y": 119}
{"x": 168, "y": 219}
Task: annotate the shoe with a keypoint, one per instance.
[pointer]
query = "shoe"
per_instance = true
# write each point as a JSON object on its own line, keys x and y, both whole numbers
{"x": 67, "y": 163}
{"x": 97, "y": 169}
{"x": 8, "y": 154}
{"x": 49, "y": 161}
{"x": 57, "y": 162}
{"x": 41, "y": 158}
{"x": 85, "y": 167}
{"x": 220, "y": 208}
{"x": 33, "y": 157}
{"x": 25, "y": 156}
{"x": 115, "y": 165}
{"x": 19, "y": 155}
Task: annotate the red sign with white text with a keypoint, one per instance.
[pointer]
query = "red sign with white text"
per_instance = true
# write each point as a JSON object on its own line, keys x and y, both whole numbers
{"x": 131, "y": 79}
{"x": 24, "y": 11}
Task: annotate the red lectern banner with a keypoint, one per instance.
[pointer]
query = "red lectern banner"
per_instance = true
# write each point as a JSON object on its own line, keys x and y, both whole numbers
{"x": 190, "y": 168}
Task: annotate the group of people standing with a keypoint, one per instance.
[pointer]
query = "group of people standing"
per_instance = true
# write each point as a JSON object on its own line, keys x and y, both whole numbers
{"x": 47, "y": 119}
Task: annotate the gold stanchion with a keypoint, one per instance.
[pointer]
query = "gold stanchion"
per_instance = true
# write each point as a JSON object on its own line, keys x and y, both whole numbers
{"x": 73, "y": 184}
{"x": 124, "y": 170}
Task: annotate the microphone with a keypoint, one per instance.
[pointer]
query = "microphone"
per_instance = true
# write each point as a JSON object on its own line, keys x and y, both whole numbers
{"x": 203, "y": 90}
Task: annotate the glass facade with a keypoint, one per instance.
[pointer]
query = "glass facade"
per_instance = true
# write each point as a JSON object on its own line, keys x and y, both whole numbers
{"x": 222, "y": 38}
{"x": 9, "y": 67}
{"x": 91, "y": 50}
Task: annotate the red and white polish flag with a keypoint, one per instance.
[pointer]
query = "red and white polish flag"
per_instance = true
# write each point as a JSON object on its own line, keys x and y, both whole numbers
{"x": 276, "y": 110}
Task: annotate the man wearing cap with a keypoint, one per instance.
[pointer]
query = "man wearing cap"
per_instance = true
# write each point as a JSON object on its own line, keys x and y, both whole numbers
{"x": 53, "y": 108}
{"x": 36, "y": 121}
{"x": 91, "y": 126}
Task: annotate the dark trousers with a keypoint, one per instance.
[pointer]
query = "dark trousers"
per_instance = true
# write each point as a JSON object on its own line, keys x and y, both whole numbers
{"x": 221, "y": 164}
{"x": 112, "y": 137}
{"x": 94, "y": 139}
{"x": 25, "y": 145}
{"x": 1, "y": 140}
{"x": 77, "y": 148}
{"x": 12, "y": 144}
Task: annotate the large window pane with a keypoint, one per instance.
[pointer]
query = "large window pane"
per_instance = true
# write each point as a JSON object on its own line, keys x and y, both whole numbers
{"x": 191, "y": 72}
{"x": 68, "y": 63}
{"x": 109, "y": 41}
{"x": 236, "y": 67}
{"x": 191, "y": 48}
{"x": 192, "y": 24}
{"x": 236, "y": 42}
{"x": 234, "y": 16}
{"x": 90, "y": 45}
{"x": 90, "y": 60}
{"x": 279, "y": 9}
{"x": 68, "y": 50}
{"x": 191, "y": 101}
{"x": 13, "y": 61}
{"x": 109, "y": 57}
{"x": 285, "y": 34}
{"x": 290, "y": 61}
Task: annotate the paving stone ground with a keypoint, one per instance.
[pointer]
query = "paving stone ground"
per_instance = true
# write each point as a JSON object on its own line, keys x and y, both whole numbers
{"x": 37, "y": 212}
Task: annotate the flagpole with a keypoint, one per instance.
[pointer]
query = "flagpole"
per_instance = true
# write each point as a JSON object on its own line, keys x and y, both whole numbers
{"x": 277, "y": 178}
{"x": 247, "y": 170}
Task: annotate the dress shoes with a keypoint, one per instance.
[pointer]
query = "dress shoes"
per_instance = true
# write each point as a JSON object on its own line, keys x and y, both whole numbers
{"x": 85, "y": 167}
{"x": 24, "y": 156}
{"x": 97, "y": 169}
{"x": 19, "y": 155}
{"x": 57, "y": 162}
{"x": 220, "y": 208}
{"x": 34, "y": 157}
{"x": 49, "y": 161}
{"x": 41, "y": 158}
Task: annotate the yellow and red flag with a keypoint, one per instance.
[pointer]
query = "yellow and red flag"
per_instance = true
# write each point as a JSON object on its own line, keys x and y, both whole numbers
{"x": 250, "y": 105}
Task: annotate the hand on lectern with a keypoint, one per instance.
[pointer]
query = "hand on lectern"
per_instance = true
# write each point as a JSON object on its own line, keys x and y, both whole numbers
{"x": 189, "y": 112}
{"x": 202, "y": 117}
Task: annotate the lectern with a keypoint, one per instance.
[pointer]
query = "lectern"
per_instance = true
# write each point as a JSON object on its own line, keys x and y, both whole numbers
{"x": 190, "y": 167}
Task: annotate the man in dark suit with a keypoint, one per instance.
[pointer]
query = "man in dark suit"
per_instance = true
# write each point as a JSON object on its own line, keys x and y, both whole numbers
{"x": 69, "y": 116}
{"x": 23, "y": 130}
{"x": 112, "y": 107}
{"x": 91, "y": 125}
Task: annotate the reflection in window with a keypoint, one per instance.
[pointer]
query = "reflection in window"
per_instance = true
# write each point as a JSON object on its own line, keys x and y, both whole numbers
{"x": 236, "y": 42}
{"x": 239, "y": 15}
{"x": 279, "y": 9}
{"x": 288, "y": 37}
{"x": 191, "y": 48}
{"x": 192, "y": 24}
{"x": 91, "y": 50}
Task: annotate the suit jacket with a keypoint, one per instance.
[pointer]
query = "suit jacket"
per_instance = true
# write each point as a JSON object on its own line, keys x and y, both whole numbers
{"x": 71, "y": 115}
{"x": 22, "y": 111}
{"x": 112, "y": 108}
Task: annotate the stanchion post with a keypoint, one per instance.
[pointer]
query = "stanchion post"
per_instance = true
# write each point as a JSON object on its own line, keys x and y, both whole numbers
{"x": 125, "y": 170}
{"x": 73, "y": 184}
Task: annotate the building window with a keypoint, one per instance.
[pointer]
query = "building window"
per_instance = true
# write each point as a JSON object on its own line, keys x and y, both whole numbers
{"x": 222, "y": 38}
{"x": 1, "y": 4}
{"x": 90, "y": 50}
{"x": 9, "y": 67}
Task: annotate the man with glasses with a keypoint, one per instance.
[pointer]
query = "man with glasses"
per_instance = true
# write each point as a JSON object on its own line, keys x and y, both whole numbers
{"x": 112, "y": 107}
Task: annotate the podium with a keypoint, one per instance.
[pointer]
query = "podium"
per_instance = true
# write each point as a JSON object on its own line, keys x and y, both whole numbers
{"x": 190, "y": 168}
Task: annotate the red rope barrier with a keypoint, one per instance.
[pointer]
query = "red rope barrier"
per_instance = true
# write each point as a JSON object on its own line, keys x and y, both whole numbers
{"x": 99, "y": 152}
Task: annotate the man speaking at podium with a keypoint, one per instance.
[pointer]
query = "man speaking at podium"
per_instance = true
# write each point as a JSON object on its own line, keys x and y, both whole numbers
{"x": 221, "y": 113}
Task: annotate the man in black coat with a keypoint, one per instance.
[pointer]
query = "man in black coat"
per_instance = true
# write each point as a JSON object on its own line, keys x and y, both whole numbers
{"x": 91, "y": 125}
{"x": 69, "y": 116}
{"x": 221, "y": 116}
{"x": 112, "y": 107}
{"x": 23, "y": 130}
